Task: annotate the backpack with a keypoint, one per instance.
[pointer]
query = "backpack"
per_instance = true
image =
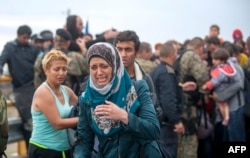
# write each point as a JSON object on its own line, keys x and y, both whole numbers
{"x": 3, "y": 125}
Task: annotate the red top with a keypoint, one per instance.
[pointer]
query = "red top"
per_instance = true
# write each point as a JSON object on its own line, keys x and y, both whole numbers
{"x": 216, "y": 73}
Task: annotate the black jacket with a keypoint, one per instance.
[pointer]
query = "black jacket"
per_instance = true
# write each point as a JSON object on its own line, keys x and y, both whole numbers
{"x": 168, "y": 92}
{"x": 20, "y": 60}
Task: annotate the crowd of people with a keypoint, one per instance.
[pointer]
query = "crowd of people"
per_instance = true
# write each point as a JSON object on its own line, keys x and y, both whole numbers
{"x": 106, "y": 89}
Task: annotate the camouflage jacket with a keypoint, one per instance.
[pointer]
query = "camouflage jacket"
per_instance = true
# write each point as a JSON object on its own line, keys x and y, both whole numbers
{"x": 77, "y": 70}
{"x": 147, "y": 65}
{"x": 192, "y": 68}
{"x": 192, "y": 65}
{"x": 39, "y": 75}
{"x": 3, "y": 124}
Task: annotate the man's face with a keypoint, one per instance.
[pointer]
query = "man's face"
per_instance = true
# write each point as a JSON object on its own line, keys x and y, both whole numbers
{"x": 39, "y": 44}
{"x": 213, "y": 32}
{"x": 46, "y": 44}
{"x": 127, "y": 52}
{"x": 23, "y": 39}
{"x": 61, "y": 43}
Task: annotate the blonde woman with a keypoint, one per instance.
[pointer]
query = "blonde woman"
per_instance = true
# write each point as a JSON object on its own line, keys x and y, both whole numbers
{"x": 50, "y": 110}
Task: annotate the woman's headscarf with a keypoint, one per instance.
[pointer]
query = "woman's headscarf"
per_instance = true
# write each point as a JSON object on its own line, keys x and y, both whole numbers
{"x": 118, "y": 90}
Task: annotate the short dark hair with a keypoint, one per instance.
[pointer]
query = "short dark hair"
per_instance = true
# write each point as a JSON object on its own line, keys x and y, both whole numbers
{"x": 220, "y": 54}
{"x": 213, "y": 40}
{"x": 128, "y": 35}
{"x": 230, "y": 47}
{"x": 215, "y": 26}
{"x": 24, "y": 29}
{"x": 186, "y": 42}
{"x": 196, "y": 42}
{"x": 145, "y": 46}
{"x": 167, "y": 48}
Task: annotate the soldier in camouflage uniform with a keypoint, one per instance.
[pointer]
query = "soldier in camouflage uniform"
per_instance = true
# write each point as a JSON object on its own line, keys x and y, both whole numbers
{"x": 143, "y": 57}
{"x": 3, "y": 125}
{"x": 77, "y": 68}
{"x": 39, "y": 75}
{"x": 147, "y": 65}
{"x": 191, "y": 68}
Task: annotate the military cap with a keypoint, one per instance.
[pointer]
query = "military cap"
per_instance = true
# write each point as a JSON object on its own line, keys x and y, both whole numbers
{"x": 46, "y": 35}
{"x": 37, "y": 37}
{"x": 63, "y": 34}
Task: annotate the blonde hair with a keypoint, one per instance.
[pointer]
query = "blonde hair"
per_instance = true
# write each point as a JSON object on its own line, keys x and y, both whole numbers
{"x": 51, "y": 56}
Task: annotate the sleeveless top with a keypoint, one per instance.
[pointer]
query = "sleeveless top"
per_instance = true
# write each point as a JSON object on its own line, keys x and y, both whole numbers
{"x": 44, "y": 135}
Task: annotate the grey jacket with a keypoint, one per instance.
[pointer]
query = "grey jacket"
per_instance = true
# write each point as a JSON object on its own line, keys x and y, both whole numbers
{"x": 234, "y": 93}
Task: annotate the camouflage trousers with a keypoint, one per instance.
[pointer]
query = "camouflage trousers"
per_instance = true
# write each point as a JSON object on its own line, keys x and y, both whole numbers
{"x": 187, "y": 146}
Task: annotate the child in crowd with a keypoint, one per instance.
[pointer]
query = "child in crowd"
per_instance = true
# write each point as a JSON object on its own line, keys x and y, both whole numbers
{"x": 221, "y": 76}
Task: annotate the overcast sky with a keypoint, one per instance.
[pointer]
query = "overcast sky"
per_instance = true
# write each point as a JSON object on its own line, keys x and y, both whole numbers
{"x": 153, "y": 20}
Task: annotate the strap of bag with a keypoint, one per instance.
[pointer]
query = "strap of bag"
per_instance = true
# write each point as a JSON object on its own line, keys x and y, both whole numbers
{"x": 203, "y": 110}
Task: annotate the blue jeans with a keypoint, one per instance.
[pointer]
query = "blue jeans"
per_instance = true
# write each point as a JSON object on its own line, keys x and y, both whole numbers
{"x": 236, "y": 126}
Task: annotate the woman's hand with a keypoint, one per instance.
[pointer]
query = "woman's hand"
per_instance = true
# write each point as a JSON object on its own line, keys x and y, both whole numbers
{"x": 111, "y": 111}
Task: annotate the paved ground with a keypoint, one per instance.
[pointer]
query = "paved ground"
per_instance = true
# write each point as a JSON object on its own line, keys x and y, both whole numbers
{"x": 11, "y": 150}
